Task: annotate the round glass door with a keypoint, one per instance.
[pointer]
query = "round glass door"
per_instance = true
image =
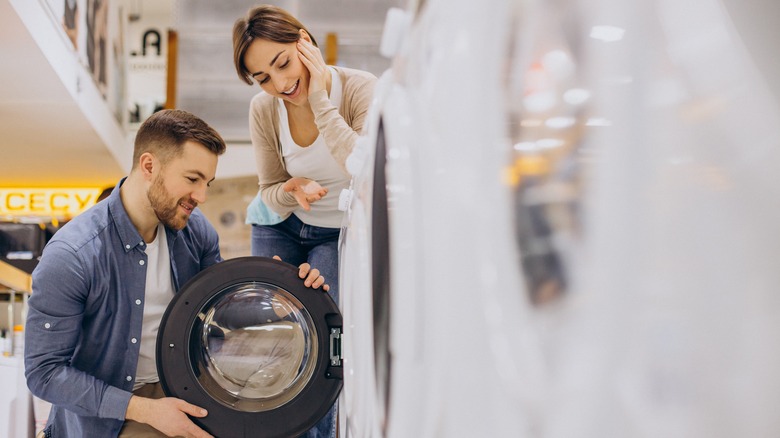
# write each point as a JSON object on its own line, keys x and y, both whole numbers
{"x": 256, "y": 346}
{"x": 248, "y": 342}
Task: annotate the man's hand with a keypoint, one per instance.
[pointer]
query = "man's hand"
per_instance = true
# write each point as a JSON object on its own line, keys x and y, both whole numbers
{"x": 168, "y": 415}
{"x": 305, "y": 191}
{"x": 312, "y": 277}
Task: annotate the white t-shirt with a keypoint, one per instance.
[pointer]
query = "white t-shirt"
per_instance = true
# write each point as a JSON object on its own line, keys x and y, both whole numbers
{"x": 316, "y": 163}
{"x": 159, "y": 291}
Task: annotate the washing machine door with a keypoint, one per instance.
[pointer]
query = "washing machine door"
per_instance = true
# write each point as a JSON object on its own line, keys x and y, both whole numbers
{"x": 246, "y": 340}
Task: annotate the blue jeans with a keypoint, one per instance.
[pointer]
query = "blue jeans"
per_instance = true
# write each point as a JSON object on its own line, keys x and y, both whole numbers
{"x": 296, "y": 243}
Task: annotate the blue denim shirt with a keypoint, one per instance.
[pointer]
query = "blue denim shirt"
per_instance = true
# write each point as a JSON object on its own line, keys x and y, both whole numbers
{"x": 87, "y": 307}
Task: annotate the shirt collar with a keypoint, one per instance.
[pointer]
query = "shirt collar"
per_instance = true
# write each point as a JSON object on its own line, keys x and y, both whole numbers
{"x": 128, "y": 234}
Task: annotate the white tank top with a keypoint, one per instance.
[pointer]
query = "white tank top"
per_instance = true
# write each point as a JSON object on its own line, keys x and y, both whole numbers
{"x": 316, "y": 163}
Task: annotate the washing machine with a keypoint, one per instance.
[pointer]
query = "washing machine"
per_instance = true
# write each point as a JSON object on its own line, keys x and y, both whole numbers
{"x": 668, "y": 327}
{"x": 246, "y": 340}
{"x": 363, "y": 250}
{"x": 580, "y": 221}
{"x": 371, "y": 362}
{"x": 444, "y": 320}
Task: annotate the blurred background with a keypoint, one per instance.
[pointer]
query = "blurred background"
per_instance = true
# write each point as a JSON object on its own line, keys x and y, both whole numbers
{"x": 564, "y": 213}
{"x": 79, "y": 76}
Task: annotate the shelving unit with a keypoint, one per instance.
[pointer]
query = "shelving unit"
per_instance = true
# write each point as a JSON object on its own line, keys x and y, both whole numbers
{"x": 16, "y": 417}
{"x": 14, "y": 278}
{"x": 15, "y": 287}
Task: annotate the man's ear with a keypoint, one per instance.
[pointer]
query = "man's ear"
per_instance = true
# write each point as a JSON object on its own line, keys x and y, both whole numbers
{"x": 147, "y": 163}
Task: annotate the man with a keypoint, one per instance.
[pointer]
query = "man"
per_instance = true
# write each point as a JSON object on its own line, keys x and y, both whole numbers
{"x": 105, "y": 279}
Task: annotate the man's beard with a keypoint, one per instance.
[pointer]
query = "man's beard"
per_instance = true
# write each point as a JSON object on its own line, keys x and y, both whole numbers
{"x": 165, "y": 207}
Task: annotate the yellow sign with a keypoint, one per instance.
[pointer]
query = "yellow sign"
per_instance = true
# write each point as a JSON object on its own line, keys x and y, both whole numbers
{"x": 63, "y": 202}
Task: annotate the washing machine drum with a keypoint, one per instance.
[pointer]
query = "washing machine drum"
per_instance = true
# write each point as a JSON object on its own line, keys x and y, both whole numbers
{"x": 246, "y": 340}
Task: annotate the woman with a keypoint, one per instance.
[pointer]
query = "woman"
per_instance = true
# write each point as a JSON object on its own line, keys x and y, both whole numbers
{"x": 303, "y": 127}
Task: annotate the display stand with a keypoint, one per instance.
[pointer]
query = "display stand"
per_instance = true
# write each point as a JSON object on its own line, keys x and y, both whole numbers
{"x": 16, "y": 413}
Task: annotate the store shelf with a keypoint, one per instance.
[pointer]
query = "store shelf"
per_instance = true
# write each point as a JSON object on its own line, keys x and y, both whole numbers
{"x": 16, "y": 416}
{"x": 14, "y": 278}
{"x": 15, "y": 288}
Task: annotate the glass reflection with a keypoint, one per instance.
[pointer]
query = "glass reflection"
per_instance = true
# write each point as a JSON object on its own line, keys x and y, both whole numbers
{"x": 547, "y": 114}
{"x": 256, "y": 347}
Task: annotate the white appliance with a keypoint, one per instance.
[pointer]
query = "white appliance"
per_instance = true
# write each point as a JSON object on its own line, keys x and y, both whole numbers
{"x": 581, "y": 221}
{"x": 670, "y": 328}
{"x": 446, "y": 360}
{"x": 16, "y": 416}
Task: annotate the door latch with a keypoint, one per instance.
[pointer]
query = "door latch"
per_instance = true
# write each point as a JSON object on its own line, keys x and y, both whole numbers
{"x": 335, "y": 346}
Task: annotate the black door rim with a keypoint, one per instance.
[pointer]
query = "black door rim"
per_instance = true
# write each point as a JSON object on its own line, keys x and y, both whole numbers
{"x": 180, "y": 351}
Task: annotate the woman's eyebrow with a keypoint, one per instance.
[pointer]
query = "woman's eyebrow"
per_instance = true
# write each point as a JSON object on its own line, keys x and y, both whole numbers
{"x": 271, "y": 64}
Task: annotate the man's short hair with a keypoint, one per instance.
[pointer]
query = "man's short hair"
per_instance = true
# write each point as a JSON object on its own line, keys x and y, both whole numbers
{"x": 165, "y": 132}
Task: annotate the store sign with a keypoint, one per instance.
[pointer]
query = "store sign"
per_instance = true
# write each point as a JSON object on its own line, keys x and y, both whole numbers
{"x": 57, "y": 202}
{"x": 147, "y": 62}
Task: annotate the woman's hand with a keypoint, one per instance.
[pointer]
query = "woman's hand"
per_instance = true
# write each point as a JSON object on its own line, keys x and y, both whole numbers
{"x": 311, "y": 57}
{"x": 305, "y": 191}
{"x": 311, "y": 277}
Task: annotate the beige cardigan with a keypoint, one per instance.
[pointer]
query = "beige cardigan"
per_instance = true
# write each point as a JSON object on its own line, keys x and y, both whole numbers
{"x": 339, "y": 128}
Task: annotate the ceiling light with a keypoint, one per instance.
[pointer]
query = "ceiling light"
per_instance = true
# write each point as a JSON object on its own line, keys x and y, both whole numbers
{"x": 608, "y": 34}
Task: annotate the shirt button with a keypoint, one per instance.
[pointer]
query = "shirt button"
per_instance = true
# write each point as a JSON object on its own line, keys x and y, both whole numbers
{"x": 127, "y": 246}
{"x": 134, "y": 340}
{"x": 129, "y": 378}
{"x": 141, "y": 262}
{"x": 47, "y": 325}
{"x": 138, "y": 302}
